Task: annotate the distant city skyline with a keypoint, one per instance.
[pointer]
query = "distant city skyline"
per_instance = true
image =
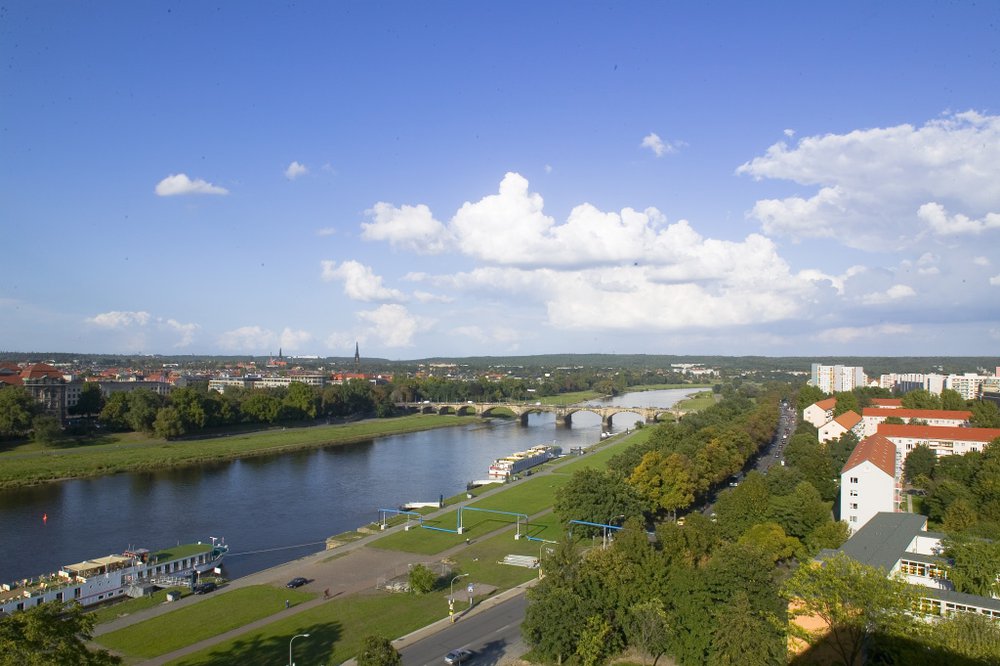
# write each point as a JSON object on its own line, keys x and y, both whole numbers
{"x": 813, "y": 179}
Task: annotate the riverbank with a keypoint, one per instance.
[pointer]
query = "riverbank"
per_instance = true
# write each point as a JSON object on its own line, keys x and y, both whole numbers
{"x": 113, "y": 454}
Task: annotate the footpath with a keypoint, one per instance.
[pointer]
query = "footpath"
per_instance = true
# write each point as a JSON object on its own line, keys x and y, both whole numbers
{"x": 345, "y": 570}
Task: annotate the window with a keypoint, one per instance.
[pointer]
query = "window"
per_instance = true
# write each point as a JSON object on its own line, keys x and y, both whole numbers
{"x": 854, "y": 519}
{"x": 854, "y": 493}
{"x": 854, "y": 506}
{"x": 854, "y": 479}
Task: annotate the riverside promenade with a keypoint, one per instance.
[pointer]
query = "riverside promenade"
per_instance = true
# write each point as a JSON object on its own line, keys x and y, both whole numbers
{"x": 348, "y": 569}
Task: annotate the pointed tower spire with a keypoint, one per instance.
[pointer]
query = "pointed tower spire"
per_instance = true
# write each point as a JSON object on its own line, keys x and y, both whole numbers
{"x": 357, "y": 357}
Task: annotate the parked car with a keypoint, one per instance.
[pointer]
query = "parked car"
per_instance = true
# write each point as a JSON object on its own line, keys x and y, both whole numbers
{"x": 204, "y": 588}
{"x": 298, "y": 581}
{"x": 458, "y": 656}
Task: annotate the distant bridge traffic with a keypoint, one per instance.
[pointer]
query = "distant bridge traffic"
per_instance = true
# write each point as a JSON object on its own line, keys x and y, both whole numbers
{"x": 522, "y": 409}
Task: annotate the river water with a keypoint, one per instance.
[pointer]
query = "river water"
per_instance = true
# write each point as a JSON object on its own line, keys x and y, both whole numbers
{"x": 273, "y": 509}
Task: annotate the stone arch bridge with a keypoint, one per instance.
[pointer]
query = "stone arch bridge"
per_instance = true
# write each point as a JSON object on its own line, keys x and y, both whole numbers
{"x": 521, "y": 410}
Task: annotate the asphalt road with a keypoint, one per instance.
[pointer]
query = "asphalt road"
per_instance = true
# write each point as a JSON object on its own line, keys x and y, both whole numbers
{"x": 492, "y": 634}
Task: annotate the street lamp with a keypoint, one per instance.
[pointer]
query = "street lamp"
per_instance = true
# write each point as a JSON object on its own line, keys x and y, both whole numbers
{"x": 290, "y": 662}
{"x": 451, "y": 593}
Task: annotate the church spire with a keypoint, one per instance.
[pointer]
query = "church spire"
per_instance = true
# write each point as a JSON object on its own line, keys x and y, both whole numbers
{"x": 357, "y": 357}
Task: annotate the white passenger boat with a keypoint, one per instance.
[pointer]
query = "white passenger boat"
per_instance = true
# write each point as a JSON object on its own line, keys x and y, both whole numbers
{"x": 105, "y": 578}
{"x": 515, "y": 463}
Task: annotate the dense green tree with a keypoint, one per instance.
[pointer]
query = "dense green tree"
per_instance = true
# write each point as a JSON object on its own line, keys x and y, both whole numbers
{"x": 969, "y": 635}
{"x": 690, "y": 616}
{"x": 261, "y": 407}
{"x": 91, "y": 400}
{"x": 745, "y": 635}
{"x": 168, "y": 423}
{"x": 811, "y": 459}
{"x": 809, "y": 395}
{"x": 378, "y": 651}
{"x": 801, "y": 512}
{"x": 828, "y": 535}
{"x": 421, "y": 579}
{"x": 975, "y": 565}
{"x": 771, "y": 540}
{"x": 962, "y": 469}
{"x": 114, "y": 414}
{"x": 959, "y": 516}
{"x": 840, "y": 449}
{"x": 743, "y": 506}
{"x": 894, "y": 420}
{"x": 666, "y": 482}
{"x": 597, "y": 496}
{"x": 551, "y": 623}
{"x": 846, "y": 402}
{"x": 301, "y": 401}
{"x": 143, "y": 405}
{"x": 985, "y": 414}
{"x": 50, "y": 633}
{"x": 647, "y": 628}
{"x": 853, "y": 601}
{"x": 45, "y": 429}
{"x": 919, "y": 461}
{"x": 17, "y": 409}
{"x": 921, "y": 399}
{"x": 942, "y": 494}
{"x": 592, "y": 649}
{"x": 952, "y": 400}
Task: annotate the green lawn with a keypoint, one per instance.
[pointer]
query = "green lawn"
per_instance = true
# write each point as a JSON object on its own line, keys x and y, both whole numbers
{"x": 214, "y": 615}
{"x": 702, "y": 400}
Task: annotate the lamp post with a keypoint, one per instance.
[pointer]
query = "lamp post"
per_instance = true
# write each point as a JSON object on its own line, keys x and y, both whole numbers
{"x": 451, "y": 593}
{"x": 290, "y": 662}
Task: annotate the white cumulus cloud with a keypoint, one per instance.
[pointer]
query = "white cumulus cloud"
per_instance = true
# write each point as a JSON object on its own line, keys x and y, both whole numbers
{"x": 893, "y": 293}
{"x": 995, "y": 281}
{"x": 293, "y": 340}
{"x": 657, "y": 145}
{"x": 360, "y": 282}
{"x": 294, "y": 170}
{"x": 393, "y": 325}
{"x": 117, "y": 319}
{"x": 407, "y": 227}
{"x": 248, "y": 339}
{"x": 872, "y": 184}
{"x": 178, "y": 184}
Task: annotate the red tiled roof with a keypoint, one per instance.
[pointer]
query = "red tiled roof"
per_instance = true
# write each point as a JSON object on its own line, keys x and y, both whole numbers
{"x": 826, "y": 404}
{"x": 13, "y": 380}
{"x": 887, "y": 403}
{"x": 939, "y": 432}
{"x": 961, "y": 415}
{"x": 37, "y": 370}
{"x": 877, "y": 450}
{"x": 848, "y": 419}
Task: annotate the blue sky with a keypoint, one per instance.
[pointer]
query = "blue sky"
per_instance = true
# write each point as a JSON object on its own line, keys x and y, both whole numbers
{"x": 466, "y": 179}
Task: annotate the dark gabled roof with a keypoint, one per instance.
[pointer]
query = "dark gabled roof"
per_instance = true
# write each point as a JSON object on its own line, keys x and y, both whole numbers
{"x": 884, "y": 539}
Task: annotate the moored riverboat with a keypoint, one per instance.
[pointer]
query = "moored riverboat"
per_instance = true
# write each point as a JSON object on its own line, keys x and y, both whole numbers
{"x": 107, "y": 578}
{"x": 515, "y": 463}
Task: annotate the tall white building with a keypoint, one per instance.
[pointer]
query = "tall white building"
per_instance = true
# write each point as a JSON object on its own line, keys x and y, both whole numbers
{"x": 868, "y": 482}
{"x": 834, "y": 378}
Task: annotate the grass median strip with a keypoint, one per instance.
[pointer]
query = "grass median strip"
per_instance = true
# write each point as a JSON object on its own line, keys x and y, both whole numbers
{"x": 212, "y": 616}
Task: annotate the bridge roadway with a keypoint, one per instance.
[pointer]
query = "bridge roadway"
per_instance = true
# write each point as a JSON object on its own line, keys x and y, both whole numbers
{"x": 521, "y": 410}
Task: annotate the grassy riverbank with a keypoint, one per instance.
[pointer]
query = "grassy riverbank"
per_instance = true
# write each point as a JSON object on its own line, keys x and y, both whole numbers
{"x": 112, "y": 454}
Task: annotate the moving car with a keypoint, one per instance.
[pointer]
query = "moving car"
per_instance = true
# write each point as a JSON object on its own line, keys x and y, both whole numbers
{"x": 458, "y": 656}
{"x": 298, "y": 581}
{"x": 204, "y": 588}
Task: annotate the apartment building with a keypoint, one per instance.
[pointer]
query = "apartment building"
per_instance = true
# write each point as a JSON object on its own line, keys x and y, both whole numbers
{"x": 873, "y": 417}
{"x": 834, "y": 378}
{"x": 943, "y": 441}
{"x": 868, "y": 482}
{"x": 847, "y": 422}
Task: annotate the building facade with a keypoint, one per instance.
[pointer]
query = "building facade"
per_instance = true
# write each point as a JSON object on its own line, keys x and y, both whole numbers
{"x": 868, "y": 482}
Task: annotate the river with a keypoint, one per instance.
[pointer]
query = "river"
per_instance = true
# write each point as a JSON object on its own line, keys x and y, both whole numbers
{"x": 277, "y": 508}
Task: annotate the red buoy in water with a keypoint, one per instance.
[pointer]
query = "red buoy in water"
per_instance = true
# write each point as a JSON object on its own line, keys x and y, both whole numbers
{"x": 45, "y": 518}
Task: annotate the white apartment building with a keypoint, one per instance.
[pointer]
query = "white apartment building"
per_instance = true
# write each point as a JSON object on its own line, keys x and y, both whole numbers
{"x": 833, "y": 378}
{"x": 873, "y": 417}
{"x": 820, "y": 412}
{"x": 943, "y": 441}
{"x": 846, "y": 422}
{"x": 868, "y": 482}
{"x": 971, "y": 386}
